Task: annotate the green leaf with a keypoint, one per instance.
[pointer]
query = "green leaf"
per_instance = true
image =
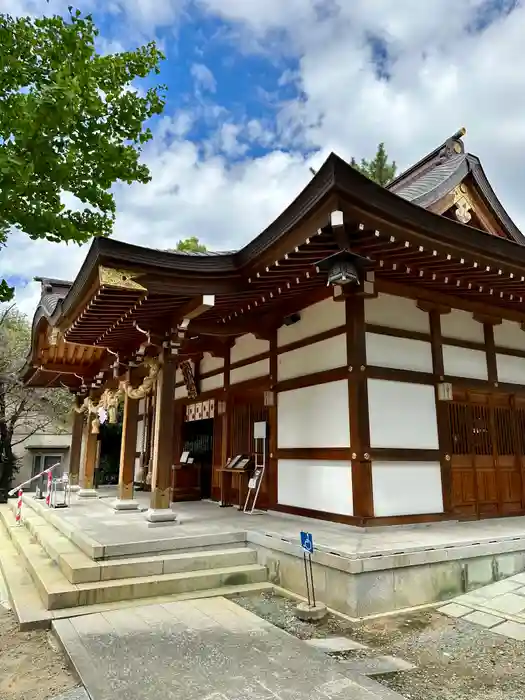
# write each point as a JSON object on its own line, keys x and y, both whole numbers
{"x": 69, "y": 122}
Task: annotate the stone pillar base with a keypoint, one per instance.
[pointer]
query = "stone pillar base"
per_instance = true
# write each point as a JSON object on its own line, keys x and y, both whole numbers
{"x": 125, "y": 504}
{"x": 160, "y": 515}
{"x": 310, "y": 613}
{"x": 87, "y": 493}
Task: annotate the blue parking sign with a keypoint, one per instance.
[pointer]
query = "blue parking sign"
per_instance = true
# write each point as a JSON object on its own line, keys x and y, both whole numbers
{"x": 307, "y": 542}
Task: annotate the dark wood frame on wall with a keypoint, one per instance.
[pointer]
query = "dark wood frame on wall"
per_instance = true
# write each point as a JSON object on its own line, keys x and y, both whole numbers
{"x": 355, "y": 333}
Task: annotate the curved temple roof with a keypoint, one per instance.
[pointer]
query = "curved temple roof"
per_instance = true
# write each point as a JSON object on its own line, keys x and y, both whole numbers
{"x": 123, "y": 288}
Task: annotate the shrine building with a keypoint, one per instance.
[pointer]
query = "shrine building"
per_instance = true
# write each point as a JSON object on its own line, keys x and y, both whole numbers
{"x": 374, "y": 336}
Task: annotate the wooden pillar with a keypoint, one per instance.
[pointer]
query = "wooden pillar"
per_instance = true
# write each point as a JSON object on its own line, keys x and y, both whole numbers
{"x": 436, "y": 342}
{"x": 273, "y": 464}
{"x": 162, "y": 458}
{"x": 75, "y": 451}
{"x": 362, "y": 491}
{"x": 128, "y": 448}
{"x": 490, "y": 350}
{"x": 90, "y": 460}
{"x": 225, "y": 433}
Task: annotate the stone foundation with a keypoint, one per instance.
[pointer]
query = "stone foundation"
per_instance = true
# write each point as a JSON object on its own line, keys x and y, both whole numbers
{"x": 382, "y": 584}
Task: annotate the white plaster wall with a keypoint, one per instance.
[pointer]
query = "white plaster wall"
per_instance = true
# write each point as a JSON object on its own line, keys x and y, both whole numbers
{"x": 137, "y": 472}
{"x": 402, "y": 415}
{"x": 509, "y": 335}
{"x": 314, "y": 416}
{"x": 460, "y": 324}
{"x": 315, "y": 484}
{"x": 140, "y": 436}
{"x": 396, "y": 312}
{"x": 463, "y": 362}
{"x": 399, "y": 353}
{"x": 511, "y": 369}
{"x": 214, "y": 382}
{"x": 309, "y": 359}
{"x": 210, "y": 364}
{"x": 256, "y": 369}
{"x": 315, "y": 319}
{"x": 406, "y": 488}
{"x": 248, "y": 346}
{"x": 142, "y": 406}
{"x": 181, "y": 392}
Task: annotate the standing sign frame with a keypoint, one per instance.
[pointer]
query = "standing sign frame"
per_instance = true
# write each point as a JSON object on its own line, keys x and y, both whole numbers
{"x": 254, "y": 484}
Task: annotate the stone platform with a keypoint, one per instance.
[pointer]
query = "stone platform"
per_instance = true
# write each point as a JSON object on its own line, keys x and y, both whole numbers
{"x": 359, "y": 572}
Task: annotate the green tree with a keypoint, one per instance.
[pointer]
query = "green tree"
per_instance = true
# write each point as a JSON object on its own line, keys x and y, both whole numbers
{"x": 24, "y": 411}
{"x": 70, "y": 122}
{"x": 189, "y": 245}
{"x": 378, "y": 169}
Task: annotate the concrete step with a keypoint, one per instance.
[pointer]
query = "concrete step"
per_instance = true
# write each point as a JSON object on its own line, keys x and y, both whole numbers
{"x": 57, "y": 592}
{"x": 77, "y": 567}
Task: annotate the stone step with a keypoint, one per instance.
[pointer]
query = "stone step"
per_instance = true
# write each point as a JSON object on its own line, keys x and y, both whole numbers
{"x": 31, "y": 613}
{"x": 57, "y": 592}
{"x": 77, "y": 567}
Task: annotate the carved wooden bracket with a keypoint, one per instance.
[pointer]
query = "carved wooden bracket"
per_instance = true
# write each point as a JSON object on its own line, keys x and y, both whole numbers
{"x": 429, "y": 306}
{"x": 489, "y": 320}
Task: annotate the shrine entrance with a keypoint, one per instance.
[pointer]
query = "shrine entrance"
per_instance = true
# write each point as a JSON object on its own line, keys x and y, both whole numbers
{"x": 194, "y": 433}
{"x": 486, "y": 442}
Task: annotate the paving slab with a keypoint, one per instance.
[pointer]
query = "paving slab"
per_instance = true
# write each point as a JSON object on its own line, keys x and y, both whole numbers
{"x": 379, "y": 665}
{"x": 454, "y": 610}
{"x": 209, "y": 649}
{"x": 483, "y": 619}
{"x": 335, "y": 644}
{"x": 511, "y": 629}
{"x": 508, "y": 603}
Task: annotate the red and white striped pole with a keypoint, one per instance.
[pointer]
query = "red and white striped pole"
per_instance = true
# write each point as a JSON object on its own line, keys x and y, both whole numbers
{"x": 18, "y": 515}
{"x": 48, "y": 495}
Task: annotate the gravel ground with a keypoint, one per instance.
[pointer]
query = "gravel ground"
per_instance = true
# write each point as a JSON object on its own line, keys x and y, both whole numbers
{"x": 455, "y": 660}
{"x": 32, "y": 666}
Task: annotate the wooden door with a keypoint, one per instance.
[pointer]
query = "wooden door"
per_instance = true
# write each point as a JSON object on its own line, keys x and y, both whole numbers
{"x": 486, "y": 462}
{"x": 247, "y": 409}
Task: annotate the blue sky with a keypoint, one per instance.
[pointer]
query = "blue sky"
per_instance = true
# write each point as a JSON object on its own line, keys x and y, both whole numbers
{"x": 259, "y": 91}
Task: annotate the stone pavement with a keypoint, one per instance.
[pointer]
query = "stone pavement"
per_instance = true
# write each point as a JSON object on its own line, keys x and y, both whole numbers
{"x": 203, "y": 650}
{"x": 499, "y": 607}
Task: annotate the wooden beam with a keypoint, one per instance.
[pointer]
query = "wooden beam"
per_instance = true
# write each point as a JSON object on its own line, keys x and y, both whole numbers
{"x": 162, "y": 459}
{"x": 362, "y": 492}
{"x": 431, "y": 306}
{"x": 490, "y": 350}
{"x": 76, "y": 448}
{"x": 194, "y": 308}
{"x": 436, "y": 344}
{"x": 127, "y": 449}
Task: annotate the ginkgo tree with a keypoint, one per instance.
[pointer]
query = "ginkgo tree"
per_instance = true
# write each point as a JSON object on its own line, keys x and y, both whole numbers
{"x": 71, "y": 122}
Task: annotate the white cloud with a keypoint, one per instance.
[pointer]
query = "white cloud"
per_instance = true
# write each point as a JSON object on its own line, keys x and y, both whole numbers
{"x": 204, "y": 78}
{"x": 441, "y": 77}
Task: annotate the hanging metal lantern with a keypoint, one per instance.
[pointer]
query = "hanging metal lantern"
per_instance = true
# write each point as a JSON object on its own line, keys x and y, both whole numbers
{"x": 344, "y": 268}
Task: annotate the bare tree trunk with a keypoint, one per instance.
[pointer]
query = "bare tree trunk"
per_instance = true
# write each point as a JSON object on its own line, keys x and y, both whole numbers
{"x": 7, "y": 458}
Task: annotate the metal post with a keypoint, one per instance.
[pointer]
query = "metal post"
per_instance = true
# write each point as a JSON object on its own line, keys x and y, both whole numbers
{"x": 311, "y": 579}
{"x": 307, "y": 582}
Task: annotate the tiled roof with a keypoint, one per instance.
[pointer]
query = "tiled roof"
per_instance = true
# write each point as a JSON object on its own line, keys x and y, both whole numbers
{"x": 434, "y": 183}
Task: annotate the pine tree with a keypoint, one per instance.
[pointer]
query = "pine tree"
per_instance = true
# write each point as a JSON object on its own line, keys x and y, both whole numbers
{"x": 378, "y": 169}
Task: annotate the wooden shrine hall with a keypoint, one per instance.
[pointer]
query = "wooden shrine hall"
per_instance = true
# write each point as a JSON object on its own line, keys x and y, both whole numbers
{"x": 373, "y": 338}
